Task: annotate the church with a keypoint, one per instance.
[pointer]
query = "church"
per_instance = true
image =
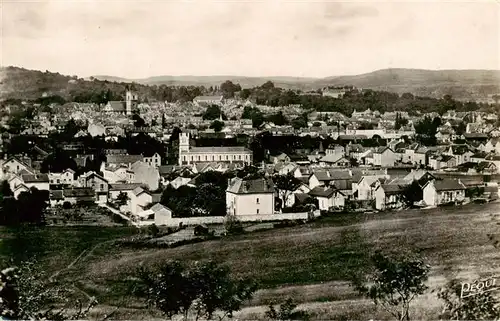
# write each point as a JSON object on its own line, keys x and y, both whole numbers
{"x": 127, "y": 107}
{"x": 191, "y": 155}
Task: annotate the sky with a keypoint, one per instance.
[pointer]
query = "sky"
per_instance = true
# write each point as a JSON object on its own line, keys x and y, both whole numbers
{"x": 138, "y": 39}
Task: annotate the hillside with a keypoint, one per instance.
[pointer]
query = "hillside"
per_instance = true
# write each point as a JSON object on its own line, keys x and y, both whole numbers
{"x": 207, "y": 81}
{"x": 433, "y": 83}
{"x": 461, "y": 84}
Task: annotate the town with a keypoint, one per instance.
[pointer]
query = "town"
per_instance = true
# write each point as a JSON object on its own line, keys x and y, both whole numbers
{"x": 249, "y": 160}
{"x": 229, "y": 153}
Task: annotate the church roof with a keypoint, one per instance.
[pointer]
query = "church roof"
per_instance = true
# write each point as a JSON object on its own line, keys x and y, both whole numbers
{"x": 219, "y": 150}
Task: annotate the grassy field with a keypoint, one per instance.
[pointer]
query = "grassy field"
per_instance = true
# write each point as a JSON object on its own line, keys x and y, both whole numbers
{"x": 311, "y": 263}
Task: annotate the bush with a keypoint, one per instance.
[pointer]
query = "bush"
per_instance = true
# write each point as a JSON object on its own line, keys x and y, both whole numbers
{"x": 286, "y": 311}
{"x": 153, "y": 230}
{"x": 66, "y": 205}
{"x": 233, "y": 225}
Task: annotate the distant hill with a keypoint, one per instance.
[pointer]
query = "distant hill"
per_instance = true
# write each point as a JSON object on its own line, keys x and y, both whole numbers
{"x": 207, "y": 81}
{"x": 461, "y": 84}
{"x": 434, "y": 83}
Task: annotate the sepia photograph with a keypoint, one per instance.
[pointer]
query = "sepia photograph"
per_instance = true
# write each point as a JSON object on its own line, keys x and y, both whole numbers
{"x": 261, "y": 160}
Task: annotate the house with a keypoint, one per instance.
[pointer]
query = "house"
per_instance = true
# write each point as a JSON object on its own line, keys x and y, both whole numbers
{"x": 388, "y": 196}
{"x": 443, "y": 191}
{"x": 280, "y": 158}
{"x": 82, "y": 194}
{"x": 366, "y": 187}
{"x": 384, "y": 157}
{"x": 127, "y": 188}
{"x": 38, "y": 181}
{"x": 162, "y": 214}
{"x": 303, "y": 188}
{"x": 208, "y": 100}
{"x": 147, "y": 175}
{"x": 420, "y": 176}
{"x": 334, "y": 160}
{"x": 114, "y": 160}
{"x": 20, "y": 188}
{"x": 335, "y": 149}
{"x": 98, "y": 183}
{"x": 153, "y": 160}
{"x": 438, "y": 162}
{"x": 158, "y": 213}
{"x": 328, "y": 197}
{"x": 141, "y": 198}
{"x": 14, "y": 165}
{"x": 67, "y": 177}
{"x": 461, "y": 153}
{"x": 329, "y": 177}
{"x": 118, "y": 174}
{"x": 250, "y": 196}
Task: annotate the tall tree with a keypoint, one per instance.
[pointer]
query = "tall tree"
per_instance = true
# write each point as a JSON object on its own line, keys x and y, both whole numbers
{"x": 286, "y": 185}
{"x": 394, "y": 283}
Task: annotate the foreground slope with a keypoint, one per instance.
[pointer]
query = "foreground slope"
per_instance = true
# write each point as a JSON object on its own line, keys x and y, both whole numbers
{"x": 311, "y": 263}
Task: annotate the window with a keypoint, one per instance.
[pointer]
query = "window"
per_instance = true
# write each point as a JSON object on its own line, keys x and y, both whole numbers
{"x": 102, "y": 186}
{"x": 239, "y": 157}
{"x": 58, "y": 181}
{"x": 257, "y": 211}
{"x": 258, "y": 200}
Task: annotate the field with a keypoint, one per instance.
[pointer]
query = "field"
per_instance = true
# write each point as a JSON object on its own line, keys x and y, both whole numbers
{"x": 311, "y": 263}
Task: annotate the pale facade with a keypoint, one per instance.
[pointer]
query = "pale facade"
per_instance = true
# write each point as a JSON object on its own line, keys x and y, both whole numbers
{"x": 385, "y": 157}
{"x": 442, "y": 192}
{"x": 189, "y": 155}
{"x": 250, "y": 197}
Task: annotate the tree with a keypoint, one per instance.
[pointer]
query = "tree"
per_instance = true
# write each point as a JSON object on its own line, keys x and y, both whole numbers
{"x": 122, "y": 199}
{"x": 412, "y": 193}
{"x": 394, "y": 283}
{"x": 278, "y": 119}
{"x": 286, "y": 185}
{"x": 203, "y": 289}
{"x": 245, "y": 93}
{"x": 213, "y": 112}
{"x": 400, "y": 121}
{"x": 217, "y": 125}
{"x": 218, "y": 291}
{"x": 228, "y": 89}
{"x": 5, "y": 189}
{"x": 426, "y": 130}
{"x": 25, "y": 294}
{"x": 268, "y": 85}
{"x": 138, "y": 121}
{"x": 480, "y": 306}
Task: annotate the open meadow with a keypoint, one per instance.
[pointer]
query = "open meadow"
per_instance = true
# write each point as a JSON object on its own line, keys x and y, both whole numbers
{"x": 311, "y": 263}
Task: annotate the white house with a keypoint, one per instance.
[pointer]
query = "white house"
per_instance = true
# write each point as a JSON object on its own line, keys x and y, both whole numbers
{"x": 384, "y": 157}
{"x": 388, "y": 196}
{"x": 13, "y": 165}
{"x": 140, "y": 198}
{"x": 366, "y": 186}
{"x": 328, "y": 197}
{"x": 250, "y": 197}
{"x": 66, "y": 177}
{"x": 301, "y": 189}
{"x": 153, "y": 160}
{"x": 38, "y": 181}
{"x": 443, "y": 191}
